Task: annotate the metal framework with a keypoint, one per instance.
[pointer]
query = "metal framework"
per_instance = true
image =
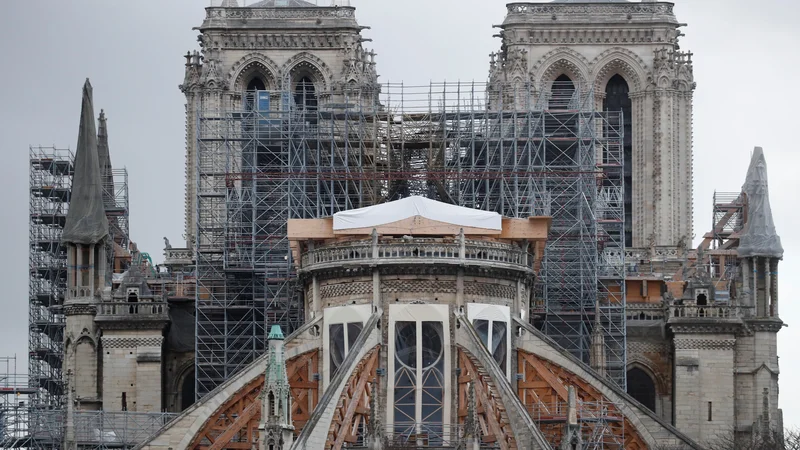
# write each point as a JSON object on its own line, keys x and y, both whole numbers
{"x": 51, "y": 172}
{"x": 50, "y": 179}
{"x": 511, "y": 150}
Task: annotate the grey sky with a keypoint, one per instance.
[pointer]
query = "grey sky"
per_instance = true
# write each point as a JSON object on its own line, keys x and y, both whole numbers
{"x": 744, "y": 67}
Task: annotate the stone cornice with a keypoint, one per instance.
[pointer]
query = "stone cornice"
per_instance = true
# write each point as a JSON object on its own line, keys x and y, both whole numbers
{"x": 289, "y": 18}
{"x": 704, "y": 326}
{"x": 768, "y": 325}
{"x": 79, "y": 309}
{"x": 256, "y": 40}
{"x": 584, "y": 13}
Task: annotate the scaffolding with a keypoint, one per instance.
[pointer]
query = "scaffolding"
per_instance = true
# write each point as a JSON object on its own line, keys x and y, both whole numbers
{"x": 602, "y": 425}
{"x": 51, "y": 172}
{"x": 50, "y": 179}
{"x": 513, "y": 151}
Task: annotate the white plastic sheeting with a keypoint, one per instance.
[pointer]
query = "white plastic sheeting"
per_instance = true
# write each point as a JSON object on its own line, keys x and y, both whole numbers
{"x": 759, "y": 237}
{"x": 386, "y": 213}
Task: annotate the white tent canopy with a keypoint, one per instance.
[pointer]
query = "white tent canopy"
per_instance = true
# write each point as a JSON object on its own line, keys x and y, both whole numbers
{"x": 391, "y": 212}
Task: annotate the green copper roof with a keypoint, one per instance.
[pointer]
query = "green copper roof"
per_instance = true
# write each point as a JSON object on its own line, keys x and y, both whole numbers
{"x": 275, "y": 333}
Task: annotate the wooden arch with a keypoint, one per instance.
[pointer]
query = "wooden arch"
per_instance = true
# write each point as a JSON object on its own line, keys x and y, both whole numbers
{"x": 234, "y": 425}
{"x": 544, "y": 392}
{"x": 493, "y": 421}
{"x": 353, "y": 408}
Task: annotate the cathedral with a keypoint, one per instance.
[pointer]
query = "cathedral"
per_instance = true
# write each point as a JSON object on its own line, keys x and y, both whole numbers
{"x": 504, "y": 265}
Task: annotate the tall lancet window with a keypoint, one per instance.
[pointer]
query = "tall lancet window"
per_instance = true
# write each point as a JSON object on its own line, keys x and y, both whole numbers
{"x": 250, "y": 96}
{"x": 419, "y": 386}
{"x": 305, "y": 94}
{"x": 617, "y": 99}
{"x": 562, "y": 94}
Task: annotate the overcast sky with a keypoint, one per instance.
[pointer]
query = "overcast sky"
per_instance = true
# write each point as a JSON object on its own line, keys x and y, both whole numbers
{"x": 745, "y": 68}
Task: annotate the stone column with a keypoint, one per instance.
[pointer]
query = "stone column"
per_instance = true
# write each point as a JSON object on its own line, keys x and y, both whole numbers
{"x": 767, "y": 288}
{"x": 755, "y": 285}
{"x": 774, "y": 286}
{"x": 745, "y": 282}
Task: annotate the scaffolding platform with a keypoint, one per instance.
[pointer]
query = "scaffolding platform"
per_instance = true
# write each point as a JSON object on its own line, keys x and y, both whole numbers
{"x": 519, "y": 154}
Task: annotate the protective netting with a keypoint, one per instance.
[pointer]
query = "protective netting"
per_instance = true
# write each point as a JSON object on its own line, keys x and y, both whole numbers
{"x": 181, "y": 333}
{"x": 759, "y": 237}
{"x": 86, "y": 221}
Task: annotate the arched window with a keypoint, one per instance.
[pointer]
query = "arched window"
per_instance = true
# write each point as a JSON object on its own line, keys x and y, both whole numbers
{"x": 642, "y": 388}
{"x": 251, "y": 96}
{"x": 256, "y": 84}
{"x": 562, "y": 93}
{"x": 305, "y": 94}
{"x": 187, "y": 390}
{"x": 617, "y": 99}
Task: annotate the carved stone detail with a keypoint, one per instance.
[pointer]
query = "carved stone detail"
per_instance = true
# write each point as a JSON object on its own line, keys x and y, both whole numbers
{"x": 704, "y": 344}
{"x": 345, "y": 289}
{"x": 490, "y": 290}
{"x": 425, "y": 286}
{"x": 131, "y": 342}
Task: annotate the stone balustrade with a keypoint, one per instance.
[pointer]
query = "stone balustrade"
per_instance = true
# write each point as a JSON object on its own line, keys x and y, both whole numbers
{"x": 416, "y": 251}
{"x": 644, "y": 311}
{"x": 80, "y": 292}
{"x": 178, "y": 256}
{"x": 587, "y": 9}
{"x": 706, "y": 312}
{"x": 147, "y": 310}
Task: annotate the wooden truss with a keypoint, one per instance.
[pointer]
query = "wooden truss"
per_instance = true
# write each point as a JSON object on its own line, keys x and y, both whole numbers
{"x": 493, "y": 422}
{"x": 544, "y": 392}
{"x": 353, "y": 408}
{"x": 234, "y": 425}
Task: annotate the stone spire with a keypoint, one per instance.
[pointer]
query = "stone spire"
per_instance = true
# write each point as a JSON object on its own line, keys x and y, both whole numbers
{"x": 276, "y": 427}
{"x": 104, "y": 159}
{"x": 759, "y": 237}
{"x": 86, "y": 220}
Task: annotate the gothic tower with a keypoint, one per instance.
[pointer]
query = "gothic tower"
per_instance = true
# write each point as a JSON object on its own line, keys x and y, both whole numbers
{"x": 85, "y": 235}
{"x": 312, "y": 55}
{"x": 628, "y": 56}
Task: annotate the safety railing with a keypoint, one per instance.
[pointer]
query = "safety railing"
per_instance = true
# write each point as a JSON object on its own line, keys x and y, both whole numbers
{"x": 120, "y": 429}
{"x": 423, "y": 435}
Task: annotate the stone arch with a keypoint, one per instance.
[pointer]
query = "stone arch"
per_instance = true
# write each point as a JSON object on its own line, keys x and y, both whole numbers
{"x": 622, "y": 62}
{"x": 307, "y": 65}
{"x": 636, "y": 361}
{"x": 647, "y": 372}
{"x": 561, "y": 61}
{"x": 254, "y": 65}
{"x": 186, "y": 373}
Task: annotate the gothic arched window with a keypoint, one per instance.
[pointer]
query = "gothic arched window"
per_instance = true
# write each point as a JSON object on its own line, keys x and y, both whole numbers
{"x": 562, "y": 93}
{"x": 642, "y": 388}
{"x": 617, "y": 99}
{"x": 305, "y": 94}
{"x": 256, "y": 84}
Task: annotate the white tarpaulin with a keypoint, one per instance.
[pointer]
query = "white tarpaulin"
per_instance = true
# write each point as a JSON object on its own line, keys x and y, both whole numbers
{"x": 386, "y": 213}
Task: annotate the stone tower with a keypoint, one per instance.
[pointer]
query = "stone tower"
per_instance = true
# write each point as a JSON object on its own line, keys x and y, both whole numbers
{"x": 726, "y": 363}
{"x": 629, "y": 56}
{"x": 85, "y": 235}
{"x": 310, "y": 56}
{"x": 759, "y": 250}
